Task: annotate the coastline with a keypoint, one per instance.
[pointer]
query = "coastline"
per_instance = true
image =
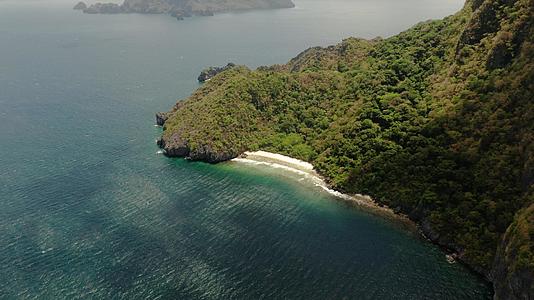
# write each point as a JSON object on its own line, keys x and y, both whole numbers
{"x": 307, "y": 171}
{"x": 366, "y": 203}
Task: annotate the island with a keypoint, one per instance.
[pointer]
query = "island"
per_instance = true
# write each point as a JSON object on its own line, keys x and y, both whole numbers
{"x": 436, "y": 123}
{"x": 180, "y": 9}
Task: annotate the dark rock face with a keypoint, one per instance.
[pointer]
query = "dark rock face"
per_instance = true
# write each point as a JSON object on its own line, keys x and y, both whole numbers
{"x": 208, "y": 73}
{"x": 161, "y": 118}
{"x": 103, "y": 8}
{"x": 433, "y": 235}
{"x": 175, "y": 146}
{"x": 513, "y": 270}
{"x": 80, "y": 6}
{"x": 427, "y": 230}
{"x": 206, "y": 154}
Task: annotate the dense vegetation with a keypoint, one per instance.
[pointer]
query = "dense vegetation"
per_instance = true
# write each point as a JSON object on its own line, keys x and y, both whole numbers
{"x": 436, "y": 122}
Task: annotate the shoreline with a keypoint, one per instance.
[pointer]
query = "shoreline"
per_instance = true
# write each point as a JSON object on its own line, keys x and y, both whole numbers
{"x": 307, "y": 171}
{"x": 364, "y": 202}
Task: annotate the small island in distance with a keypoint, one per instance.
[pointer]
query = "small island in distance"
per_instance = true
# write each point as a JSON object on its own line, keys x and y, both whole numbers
{"x": 180, "y": 9}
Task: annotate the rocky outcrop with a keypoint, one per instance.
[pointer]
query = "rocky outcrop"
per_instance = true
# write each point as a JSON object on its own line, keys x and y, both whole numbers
{"x": 513, "y": 271}
{"x": 210, "y": 72}
{"x": 176, "y": 146}
{"x": 161, "y": 117}
{"x": 180, "y": 9}
{"x": 428, "y": 231}
{"x": 80, "y": 6}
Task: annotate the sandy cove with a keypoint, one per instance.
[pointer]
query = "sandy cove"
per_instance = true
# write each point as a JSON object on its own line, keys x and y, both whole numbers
{"x": 306, "y": 170}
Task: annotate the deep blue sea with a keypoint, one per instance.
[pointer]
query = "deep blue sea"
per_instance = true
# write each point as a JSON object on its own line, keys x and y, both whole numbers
{"x": 89, "y": 210}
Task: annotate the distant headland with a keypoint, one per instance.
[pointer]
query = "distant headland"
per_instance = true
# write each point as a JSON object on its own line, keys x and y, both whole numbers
{"x": 180, "y": 9}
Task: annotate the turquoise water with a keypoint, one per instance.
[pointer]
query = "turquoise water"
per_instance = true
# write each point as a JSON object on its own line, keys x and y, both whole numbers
{"x": 89, "y": 210}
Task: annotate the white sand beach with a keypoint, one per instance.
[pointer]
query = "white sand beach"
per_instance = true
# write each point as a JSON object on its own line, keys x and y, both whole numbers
{"x": 306, "y": 170}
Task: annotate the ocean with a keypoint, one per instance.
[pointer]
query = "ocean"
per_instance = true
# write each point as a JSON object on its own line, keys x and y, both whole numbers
{"x": 90, "y": 210}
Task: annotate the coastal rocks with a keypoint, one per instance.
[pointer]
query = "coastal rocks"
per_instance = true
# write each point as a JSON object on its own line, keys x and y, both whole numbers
{"x": 207, "y": 154}
{"x": 161, "y": 118}
{"x": 457, "y": 253}
{"x": 80, "y": 6}
{"x": 428, "y": 231}
{"x": 513, "y": 270}
{"x": 176, "y": 146}
{"x": 210, "y": 72}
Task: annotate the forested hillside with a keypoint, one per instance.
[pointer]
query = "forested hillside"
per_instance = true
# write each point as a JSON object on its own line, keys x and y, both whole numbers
{"x": 436, "y": 122}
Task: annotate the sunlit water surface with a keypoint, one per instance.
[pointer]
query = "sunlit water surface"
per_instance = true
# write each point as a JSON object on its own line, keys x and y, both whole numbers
{"x": 89, "y": 210}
